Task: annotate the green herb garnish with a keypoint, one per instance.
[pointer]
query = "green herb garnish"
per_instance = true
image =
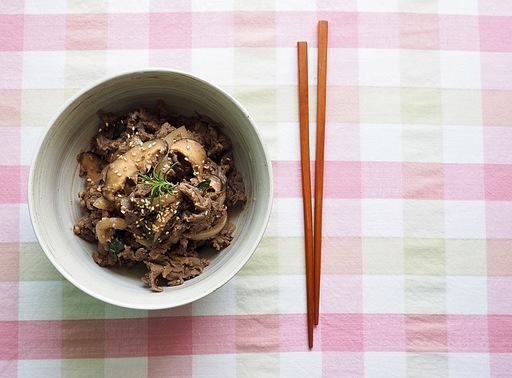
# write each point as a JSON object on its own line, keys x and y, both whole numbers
{"x": 204, "y": 185}
{"x": 119, "y": 128}
{"x": 115, "y": 246}
{"x": 158, "y": 182}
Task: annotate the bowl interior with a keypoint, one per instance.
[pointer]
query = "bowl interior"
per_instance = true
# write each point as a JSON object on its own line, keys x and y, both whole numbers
{"x": 54, "y": 184}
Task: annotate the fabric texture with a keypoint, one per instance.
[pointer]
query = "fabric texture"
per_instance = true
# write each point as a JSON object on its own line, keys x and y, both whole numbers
{"x": 417, "y": 257}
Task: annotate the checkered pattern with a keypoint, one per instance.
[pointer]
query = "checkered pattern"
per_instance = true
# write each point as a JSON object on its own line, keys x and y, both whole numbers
{"x": 417, "y": 260}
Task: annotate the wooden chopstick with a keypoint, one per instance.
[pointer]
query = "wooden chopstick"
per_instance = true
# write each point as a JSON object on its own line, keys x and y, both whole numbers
{"x": 319, "y": 169}
{"x": 302, "y": 48}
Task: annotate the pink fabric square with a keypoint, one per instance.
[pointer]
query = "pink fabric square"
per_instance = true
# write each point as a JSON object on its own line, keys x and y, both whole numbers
{"x": 86, "y": 31}
{"x": 262, "y": 30}
{"x": 341, "y": 139}
{"x": 213, "y": 29}
{"x": 257, "y": 333}
{"x": 494, "y": 8}
{"x": 10, "y": 107}
{"x": 11, "y": 32}
{"x": 12, "y": 7}
{"x": 500, "y": 364}
{"x": 24, "y": 171}
{"x": 342, "y": 332}
{"x": 379, "y": 30}
{"x": 384, "y": 332}
{"x": 341, "y": 217}
{"x": 381, "y": 180}
{"x": 498, "y": 145}
{"x": 463, "y": 181}
{"x": 9, "y": 223}
{"x": 499, "y": 295}
{"x": 293, "y": 336}
{"x": 498, "y": 182}
{"x": 9, "y": 293}
{"x": 342, "y": 179}
{"x": 341, "y": 294}
{"x": 467, "y": 333}
{"x": 458, "y": 32}
{"x": 496, "y": 68}
{"x": 12, "y": 138}
{"x": 179, "y": 366}
{"x": 423, "y": 180}
{"x": 9, "y": 337}
{"x": 9, "y": 271}
{"x": 45, "y": 32}
{"x": 12, "y": 67}
{"x": 343, "y": 29}
{"x": 499, "y": 258}
{"x": 419, "y": 31}
{"x": 342, "y": 364}
{"x": 342, "y": 255}
{"x": 349, "y": 112}
{"x": 288, "y": 179}
{"x": 214, "y": 334}
{"x": 170, "y": 336}
{"x": 500, "y": 333}
{"x": 496, "y": 109}
{"x": 9, "y": 368}
{"x": 171, "y": 30}
{"x": 349, "y": 60}
{"x": 128, "y": 31}
{"x": 499, "y": 220}
{"x": 10, "y": 190}
{"x": 84, "y": 338}
{"x": 126, "y": 337}
{"x": 426, "y": 333}
{"x": 496, "y": 33}
{"x": 40, "y": 339}
{"x": 291, "y": 27}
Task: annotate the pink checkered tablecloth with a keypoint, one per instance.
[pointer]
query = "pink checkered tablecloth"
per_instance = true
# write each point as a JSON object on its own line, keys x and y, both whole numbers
{"x": 417, "y": 260}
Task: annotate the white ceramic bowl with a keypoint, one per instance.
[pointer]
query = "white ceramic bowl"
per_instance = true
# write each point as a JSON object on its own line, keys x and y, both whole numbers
{"x": 54, "y": 184}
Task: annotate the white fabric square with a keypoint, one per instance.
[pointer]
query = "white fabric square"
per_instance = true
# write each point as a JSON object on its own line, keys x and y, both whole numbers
{"x": 382, "y": 218}
{"x": 214, "y": 365}
{"x": 379, "y": 67}
{"x": 300, "y": 364}
{"x": 287, "y": 219}
{"x": 423, "y": 218}
{"x": 464, "y": 365}
{"x": 458, "y": 7}
{"x": 286, "y": 66}
{"x": 296, "y": 5}
{"x": 128, "y": 6}
{"x": 459, "y": 140}
{"x": 278, "y": 137}
{"x": 465, "y": 219}
{"x": 341, "y": 294}
{"x": 383, "y": 294}
{"x": 460, "y": 69}
{"x": 265, "y": 289}
{"x": 30, "y": 138}
{"x": 45, "y": 7}
{"x": 292, "y": 293}
{"x": 251, "y": 66}
{"x": 212, "y": 5}
{"x": 377, "y": 6}
{"x": 221, "y": 302}
{"x": 466, "y": 295}
{"x": 124, "y": 60}
{"x": 27, "y": 234}
{"x": 381, "y": 142}
{"x": 204, "y": 60}
{"x": 385, "y": 364}
{"x": 31, "y": 292}
{"x": 43, "y": 69}
{"x": 39, "y": 368}
{"x": 419, "y": 68}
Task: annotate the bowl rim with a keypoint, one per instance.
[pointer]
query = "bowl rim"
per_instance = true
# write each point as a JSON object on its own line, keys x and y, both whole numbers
{"x": 31, "y": 200}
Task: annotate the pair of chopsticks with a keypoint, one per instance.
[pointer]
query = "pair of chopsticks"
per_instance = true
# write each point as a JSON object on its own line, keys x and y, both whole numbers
{"x": 313, "y": 237}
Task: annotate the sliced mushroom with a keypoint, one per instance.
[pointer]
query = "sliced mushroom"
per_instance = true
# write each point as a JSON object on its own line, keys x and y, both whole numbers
{"x": 107, "y": 224}
{"x": 90, "y": 166}
{"x": 193, "y": 152}
{"x": 176, "y": 134}
{"x": 102, "y": 204}
{"x": 137, "y": 159}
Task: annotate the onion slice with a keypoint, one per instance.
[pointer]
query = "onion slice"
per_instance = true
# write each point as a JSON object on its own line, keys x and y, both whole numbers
{"x": 106, "y": 224}
{"x": 212, "y": 232}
